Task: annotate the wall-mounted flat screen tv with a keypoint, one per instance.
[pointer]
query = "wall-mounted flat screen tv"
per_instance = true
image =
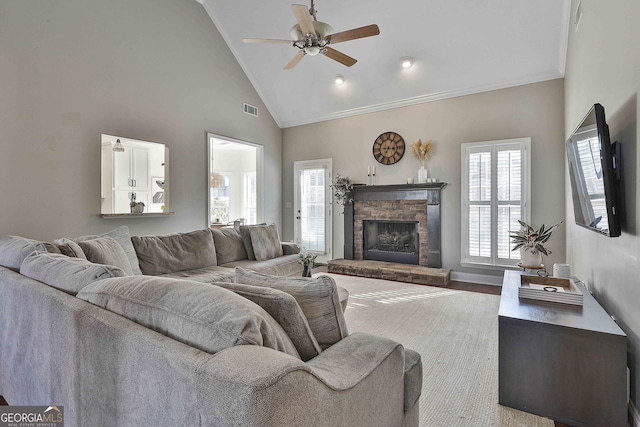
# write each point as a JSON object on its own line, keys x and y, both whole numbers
{"x": 593, "y": 163}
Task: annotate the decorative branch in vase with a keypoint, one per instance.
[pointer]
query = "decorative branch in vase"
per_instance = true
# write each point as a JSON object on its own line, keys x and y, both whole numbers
{"x": 423, "y": 151}
{"x": 531, "y": 242}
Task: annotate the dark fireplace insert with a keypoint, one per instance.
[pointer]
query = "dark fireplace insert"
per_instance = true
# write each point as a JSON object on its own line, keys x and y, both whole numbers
{"x": 392, "y": 241}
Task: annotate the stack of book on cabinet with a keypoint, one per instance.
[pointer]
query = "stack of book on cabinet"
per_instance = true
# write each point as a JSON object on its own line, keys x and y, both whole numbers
{"x": 552, "y": 289}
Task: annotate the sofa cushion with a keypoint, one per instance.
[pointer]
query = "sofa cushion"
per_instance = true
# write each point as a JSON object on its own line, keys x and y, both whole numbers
{"x": 106, "y": 250}
{"x": 286, "y": 311}
{"x": 14, "y": 249}
{"x": 286, "y": 265}
{"x": 175, "y": 252}
{"x": 265, "y": 242}
{"x": 200, "y": 315}
{"x": 229, "y": 246}
{"x": 66, "y": 273}
{"x": 209, "y": 274}
{"x": 121, "y": 234}
{"x": 318, "y": 299}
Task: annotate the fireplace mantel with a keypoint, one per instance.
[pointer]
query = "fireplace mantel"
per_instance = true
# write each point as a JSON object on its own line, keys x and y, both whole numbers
{"x": 429, "y": 193}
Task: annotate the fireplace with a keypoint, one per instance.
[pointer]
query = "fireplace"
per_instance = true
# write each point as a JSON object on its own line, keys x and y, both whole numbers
{"x": 415, "y": 208}
{"x": 393, "y": 241}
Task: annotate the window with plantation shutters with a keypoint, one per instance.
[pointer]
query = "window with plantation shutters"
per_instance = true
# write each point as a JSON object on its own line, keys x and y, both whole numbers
{"x": 495, "y": 195}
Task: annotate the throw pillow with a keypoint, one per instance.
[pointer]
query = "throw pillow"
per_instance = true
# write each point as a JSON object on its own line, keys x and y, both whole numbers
{"x": 171, "y": 253}
{"x": 265, "y": 242}
{"x": 246, "y": 240}
{"x": 106, "y": 250}
{"x": 229, "y": 246}
{"x": 69, "y": 248}
{"x": 65, "y": 273}
{"x": 14, "y": 249}
{"x": 318, "y": 299}
{"x": 122, "y": 236}
{"x": 286, "y": 311}
{"x": 200, "y": 315}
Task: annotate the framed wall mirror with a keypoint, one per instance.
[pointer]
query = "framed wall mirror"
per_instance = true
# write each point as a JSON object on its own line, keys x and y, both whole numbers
{"x": 134, "y": 177}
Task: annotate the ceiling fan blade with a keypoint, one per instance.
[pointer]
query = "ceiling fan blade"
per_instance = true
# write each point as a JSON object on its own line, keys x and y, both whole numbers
{"x": 356, "y": 33}
{"x": 304, "y": 18}
{"x": 266, "y": 41}
{"x": 294, "y": 61}
{"x": 339, "y": 56}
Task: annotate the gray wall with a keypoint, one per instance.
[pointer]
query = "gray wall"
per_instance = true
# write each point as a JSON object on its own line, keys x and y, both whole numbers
{"x": 603, "y": 65}
{"x": 154, "y": 70}
{"x": 535, "y": 110}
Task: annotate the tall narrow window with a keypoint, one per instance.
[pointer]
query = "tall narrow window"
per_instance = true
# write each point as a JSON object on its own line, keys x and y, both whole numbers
{"x": 250, "y": 199}
{"x": 495, "y": 195}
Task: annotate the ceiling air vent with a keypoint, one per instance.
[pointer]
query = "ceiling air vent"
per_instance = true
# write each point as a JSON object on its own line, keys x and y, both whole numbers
{"x": 250, "y": 109}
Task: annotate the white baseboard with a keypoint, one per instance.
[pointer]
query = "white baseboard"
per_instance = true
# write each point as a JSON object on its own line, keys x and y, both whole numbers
{"x": 483, "y": 279}
{"x": 635, "y": 416}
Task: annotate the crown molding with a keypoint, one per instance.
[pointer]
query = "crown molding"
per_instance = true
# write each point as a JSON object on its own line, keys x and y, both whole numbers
{"x": 550, "y": 75}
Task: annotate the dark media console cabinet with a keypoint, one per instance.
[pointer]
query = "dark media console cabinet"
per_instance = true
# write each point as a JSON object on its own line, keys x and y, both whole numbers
{"x": 563, "y": 362}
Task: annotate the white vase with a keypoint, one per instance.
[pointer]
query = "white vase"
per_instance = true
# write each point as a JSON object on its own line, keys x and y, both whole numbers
{"x": 528, "y": 259}
{"x": 422, "y": 175}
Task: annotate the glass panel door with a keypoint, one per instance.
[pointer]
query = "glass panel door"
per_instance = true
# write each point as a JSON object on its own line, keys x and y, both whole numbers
{"x": 313, "y": 206}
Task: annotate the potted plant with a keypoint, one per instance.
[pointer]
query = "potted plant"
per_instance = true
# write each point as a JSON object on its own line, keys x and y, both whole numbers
{"x": 307, "y": 260}
{"x": 342, "y": 187}
{"x": 531, "y": 242}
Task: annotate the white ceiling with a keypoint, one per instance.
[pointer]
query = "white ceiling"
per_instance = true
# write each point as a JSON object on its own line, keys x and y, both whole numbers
{"x": 459, "y": 46}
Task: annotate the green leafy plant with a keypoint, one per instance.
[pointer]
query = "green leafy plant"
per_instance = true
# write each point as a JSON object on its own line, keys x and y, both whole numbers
{"x": 531, "y": 239}
{"x": 307, "y": 259}
{"x": 342, "y": 187}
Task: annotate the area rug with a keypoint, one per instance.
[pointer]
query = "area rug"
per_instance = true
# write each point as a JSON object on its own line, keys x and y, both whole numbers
{"x": 455, "y": 332}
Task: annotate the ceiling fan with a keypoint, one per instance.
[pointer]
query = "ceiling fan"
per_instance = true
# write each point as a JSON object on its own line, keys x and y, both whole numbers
{"x": 312, "y": 37}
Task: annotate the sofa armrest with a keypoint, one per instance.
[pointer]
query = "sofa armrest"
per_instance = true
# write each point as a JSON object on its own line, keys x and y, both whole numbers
{"x": 290, "y": 248}
{"x": 358, "y": 381}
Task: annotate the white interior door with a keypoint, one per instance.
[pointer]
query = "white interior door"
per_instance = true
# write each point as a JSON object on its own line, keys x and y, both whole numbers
{"x": 312, "y": 179}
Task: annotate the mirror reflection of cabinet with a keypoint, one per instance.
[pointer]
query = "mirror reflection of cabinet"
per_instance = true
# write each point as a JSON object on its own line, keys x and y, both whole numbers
{"x": 133, "y": 171}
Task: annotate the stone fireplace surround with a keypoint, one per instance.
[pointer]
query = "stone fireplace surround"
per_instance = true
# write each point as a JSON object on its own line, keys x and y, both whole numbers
{"x": 389, "y": 210}
{"x": 411, "y": 202}
{"x": 420, "y": 202}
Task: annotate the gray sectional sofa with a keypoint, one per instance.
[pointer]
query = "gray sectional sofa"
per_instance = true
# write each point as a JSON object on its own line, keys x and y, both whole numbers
{"x": 187, "y": 330}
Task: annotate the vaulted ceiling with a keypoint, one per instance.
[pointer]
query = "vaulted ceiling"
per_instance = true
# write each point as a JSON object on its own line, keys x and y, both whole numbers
{"x": 458, "y": 46}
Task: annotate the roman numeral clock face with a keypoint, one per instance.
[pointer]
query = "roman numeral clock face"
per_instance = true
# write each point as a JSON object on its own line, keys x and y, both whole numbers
{"x": 388, "y": 148}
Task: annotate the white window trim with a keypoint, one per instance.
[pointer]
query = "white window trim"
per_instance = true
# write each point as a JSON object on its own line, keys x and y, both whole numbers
{"x": 466, "y": 149}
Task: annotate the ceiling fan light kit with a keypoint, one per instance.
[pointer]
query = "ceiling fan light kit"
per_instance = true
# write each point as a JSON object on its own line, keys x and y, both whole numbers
{"x": 312, "y": 37}
{"x": 339, "y": 80}
{"x": 407, "y": 62}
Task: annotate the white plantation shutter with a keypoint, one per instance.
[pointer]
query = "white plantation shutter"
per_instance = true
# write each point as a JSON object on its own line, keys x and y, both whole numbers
{"x": 495, "y": 196}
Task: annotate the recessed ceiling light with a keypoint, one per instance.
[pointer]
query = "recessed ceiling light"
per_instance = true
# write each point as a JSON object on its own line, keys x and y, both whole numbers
{"x": 339, "y": 79}
{"x": 407, "y": 62}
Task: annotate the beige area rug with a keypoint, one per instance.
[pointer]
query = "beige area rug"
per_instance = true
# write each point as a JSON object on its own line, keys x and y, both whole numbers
{"x": 455, "y": 332}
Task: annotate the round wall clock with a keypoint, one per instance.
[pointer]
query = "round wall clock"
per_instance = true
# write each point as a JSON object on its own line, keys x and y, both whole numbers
{"x": 388, "y": 148}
